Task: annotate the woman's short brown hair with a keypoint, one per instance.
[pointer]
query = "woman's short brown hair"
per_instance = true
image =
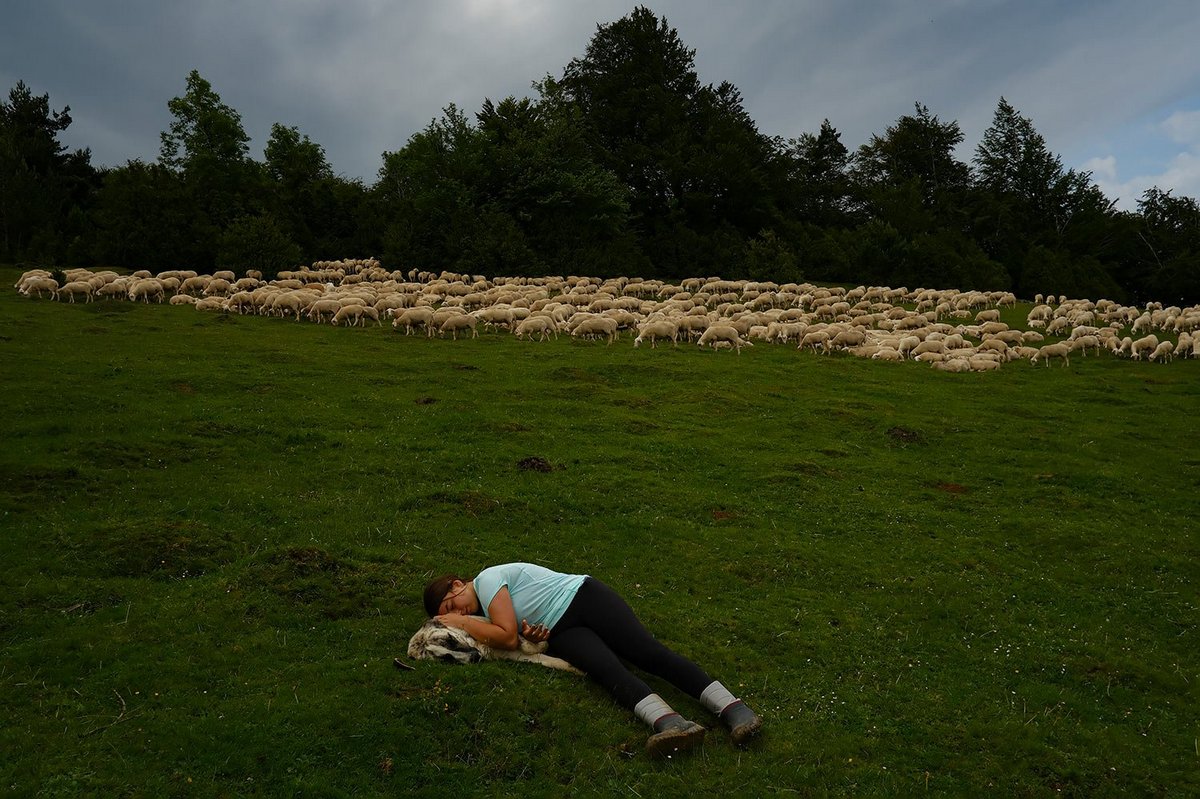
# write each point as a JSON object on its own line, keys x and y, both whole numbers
{"x": 436, "y": 591}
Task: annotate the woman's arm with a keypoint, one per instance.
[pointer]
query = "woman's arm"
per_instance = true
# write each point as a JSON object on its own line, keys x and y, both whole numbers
{"x": 500, "y": 632}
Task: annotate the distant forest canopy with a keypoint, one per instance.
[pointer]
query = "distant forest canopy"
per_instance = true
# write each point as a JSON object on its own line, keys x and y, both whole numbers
{"x": 625, "y": 164}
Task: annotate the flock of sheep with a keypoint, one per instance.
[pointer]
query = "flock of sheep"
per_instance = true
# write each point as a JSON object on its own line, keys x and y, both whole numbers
{"x": 955, "y": 331}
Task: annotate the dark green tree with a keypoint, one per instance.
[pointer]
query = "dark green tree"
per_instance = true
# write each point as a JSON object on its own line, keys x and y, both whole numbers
{"x": 917, "y": 152}
{"x": 204, "y": 133}
{"x": 540, "y": 174}
{"x": 689, "y": 156}
{"x": 1169, "y": 252}
{"x": 141, "y": 219}
{"x": 208, "y": 148}
{"x": 427, "y": 194}
{"x": 257, "y": 242}
{"x": 818, "y": 183}
{"x": 303, "y": 197}
{"x": 1025, "y": 198}
{"x": 44, "y": 189}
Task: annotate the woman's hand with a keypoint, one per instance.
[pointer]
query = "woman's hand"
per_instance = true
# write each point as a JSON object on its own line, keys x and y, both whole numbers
{"x": 536, "y": 633}
{"x": 452, "y": 620}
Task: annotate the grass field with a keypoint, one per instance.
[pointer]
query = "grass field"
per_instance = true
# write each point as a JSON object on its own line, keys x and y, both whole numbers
{"x": 215, "y": 531}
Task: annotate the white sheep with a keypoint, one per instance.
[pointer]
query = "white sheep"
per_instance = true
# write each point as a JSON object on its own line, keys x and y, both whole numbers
{"x": 210, "y": 304}
{"x": 1085, "y": 342}
{"x": 1146, "y": 344}
{"x": 459, "y": 322}
{"x": 815, "y": 339}
{"x": 217, "y": 287}
{"x": 953, "y": 365}
{"x": 980, "y": 364}
{"x": 656, "y": 329}
{"x": 1183, "y": 347}
{"x": 413, "y": 318}
{"x": 723, "y": 332}
{"x": 1048, "y": 351}
{"x": 317, "y": 312}
{"x": 846, "y": 339}
{"x": 596, "y": 327}
{"x": 74, "y": 288}
{"x": 1162, "y": 351}
{"x": 145, "y": 289}
{"x": 37, "y": 284}
{"x": 351, "y": 312}
{"x": 541, "y": 326}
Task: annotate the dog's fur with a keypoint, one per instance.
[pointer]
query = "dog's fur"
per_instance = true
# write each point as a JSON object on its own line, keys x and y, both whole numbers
{"x": 436, "y": 641}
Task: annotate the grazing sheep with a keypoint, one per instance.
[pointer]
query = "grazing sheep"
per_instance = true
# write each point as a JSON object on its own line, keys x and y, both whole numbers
{"x": 182, "y": 299}
{"x": 217, "y": 287}
{"x": 457, "y": 323}
{"x": 1183, "y": 347}
{"x": 351, "y": 312}
{"x": 654, "y": 330}
{"x": 723, "y": 332}
{"x": 1048, "y": 351}
{"x": 38, "y": 284}
{"x": 225, "y": 275}
{"x": 993, "y": 344}
{"x": 74, "y": 288}
{"x": 1057, "y": 325}
{"x": 196, "y": 283}
{"x": 1085, "y": 342}
{"x": 146, "y": 288}
{"x": 847, "y": 339}
{"x": 210, "y": 304}
{"x": 814, "y": 339}
{"x": 322, "y": 308}
{"x": 1162, "y": 351}
{"x": 541, "y": 326}
{"x": 412, "y": 318}
{"x": 978, "y": 364}
{"x": 1146, "y": 344}
{"x": 1021, "y": 353}
{"x": 953, "y": 365}
{"x": 596, "y": 327}
{"x": 369, "y": 312}
{"x": 907, "y": 344}
{"x": 887, "y": 354}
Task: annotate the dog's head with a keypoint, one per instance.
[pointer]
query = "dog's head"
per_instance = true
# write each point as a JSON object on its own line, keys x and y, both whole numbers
{"x": 436, "y": 641}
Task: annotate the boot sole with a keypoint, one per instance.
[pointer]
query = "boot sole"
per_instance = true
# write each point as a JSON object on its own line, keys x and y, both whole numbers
{"x": 743, "y": 733}
{"x": 668, "y": 743}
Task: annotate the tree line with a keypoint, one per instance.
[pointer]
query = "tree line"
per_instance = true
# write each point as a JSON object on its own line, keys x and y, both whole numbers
{"x": 623, "y": 164}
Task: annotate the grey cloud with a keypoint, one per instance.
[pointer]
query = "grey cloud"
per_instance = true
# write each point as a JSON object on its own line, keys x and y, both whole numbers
{"x": 361, "y": 76}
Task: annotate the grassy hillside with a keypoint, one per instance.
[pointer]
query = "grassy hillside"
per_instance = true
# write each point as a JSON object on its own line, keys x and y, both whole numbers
{"x": 215, "y": 531}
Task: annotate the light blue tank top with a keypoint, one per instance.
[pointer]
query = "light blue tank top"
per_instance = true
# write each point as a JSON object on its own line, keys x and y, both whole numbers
{"x": 539, "y": 595}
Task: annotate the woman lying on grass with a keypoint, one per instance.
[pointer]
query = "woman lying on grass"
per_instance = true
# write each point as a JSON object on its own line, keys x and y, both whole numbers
{"x": 588, "y": 625}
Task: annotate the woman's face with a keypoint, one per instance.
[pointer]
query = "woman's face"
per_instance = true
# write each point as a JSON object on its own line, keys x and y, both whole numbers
{"x": 459, "y": 599}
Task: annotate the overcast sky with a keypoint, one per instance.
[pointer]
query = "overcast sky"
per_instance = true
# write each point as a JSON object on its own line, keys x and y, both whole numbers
{"x": 1113, "y": 85}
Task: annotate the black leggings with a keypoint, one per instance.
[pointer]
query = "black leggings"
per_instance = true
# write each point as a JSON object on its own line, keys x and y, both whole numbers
{"x": 599, "y": 628}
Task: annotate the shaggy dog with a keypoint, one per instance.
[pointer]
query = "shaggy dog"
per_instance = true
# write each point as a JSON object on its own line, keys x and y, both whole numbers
{"x": 436, "y": 641}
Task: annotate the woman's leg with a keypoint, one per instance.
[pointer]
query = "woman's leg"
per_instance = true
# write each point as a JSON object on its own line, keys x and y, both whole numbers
{"x": 582, "y": 648}
{"x": 601, "y": 610}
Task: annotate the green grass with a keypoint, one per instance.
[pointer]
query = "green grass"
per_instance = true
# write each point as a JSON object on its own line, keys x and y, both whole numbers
{"x": 215, "y": 531}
